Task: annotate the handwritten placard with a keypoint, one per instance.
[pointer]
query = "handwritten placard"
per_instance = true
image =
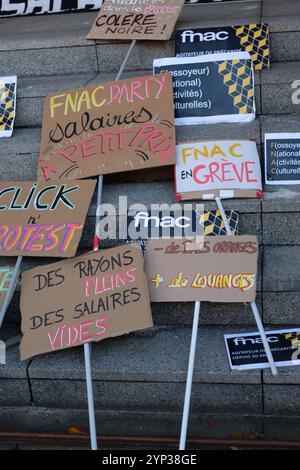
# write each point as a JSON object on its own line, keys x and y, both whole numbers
{"x": 43, "y": 219}
{"x": 88, "y": 298}
{"x": 211, "y": 89}
{"x": 224, "y": 168}
{"x": 222, "y": 269}
{"x": 147, "y": 19}
{"x": 108, "y": 128}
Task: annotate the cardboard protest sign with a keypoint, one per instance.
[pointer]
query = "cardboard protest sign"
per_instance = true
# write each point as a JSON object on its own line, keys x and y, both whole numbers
{"x": 108, "y": 128}
{"x": 222, "y": 269}
{"x": 224, "y": 168}
{"x": 143, "y": 225}
{"x": 88, "y": 298}
{"x": 147, "y": 20}
{"x": 43, "y": 219}
{"x": 246, "y": 350}
{"x": 34, "y": 7}
{"x": 6, "y": 276}
{"x": 8, "y": 90}
{"x": 282, "y": 158}
{"x": 211, "y": 89}
{"x": 252, "y": 38}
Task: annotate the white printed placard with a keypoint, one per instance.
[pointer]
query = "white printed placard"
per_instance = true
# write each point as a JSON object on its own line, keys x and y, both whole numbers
{"x": 211, "y": 89}
{"x": 282, "y": 158}
{"x": 224, "y": 168}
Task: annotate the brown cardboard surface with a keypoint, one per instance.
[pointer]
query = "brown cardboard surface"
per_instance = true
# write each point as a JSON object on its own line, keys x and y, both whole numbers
{"x": 88, "y": 298}
{"x": 144, "y": 19}
{"x": 38, "y": 218}
{"x": 108, "y": 128}
{"x": 223, "y": 269}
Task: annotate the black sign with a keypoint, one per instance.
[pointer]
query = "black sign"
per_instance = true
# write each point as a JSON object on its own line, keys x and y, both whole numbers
{"x": 282, "y": 158}
{"x": 211, "y": 89}
{"x": 180, "y": 223}
{"x": 142, "y": 225}
{"x": 253, "y": 38}
{"x": 246, "y": 350}
{"x": 32, "y": 7}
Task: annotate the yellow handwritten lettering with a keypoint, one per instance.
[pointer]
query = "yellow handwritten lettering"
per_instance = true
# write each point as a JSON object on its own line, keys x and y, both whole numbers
{"x": 96, "y": 103}
{"x": 54, "y": 104}
{"x": 232, "y": 151}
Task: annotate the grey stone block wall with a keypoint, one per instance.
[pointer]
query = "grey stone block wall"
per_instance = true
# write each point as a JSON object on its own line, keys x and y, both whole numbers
{"x": 139, "y": 379}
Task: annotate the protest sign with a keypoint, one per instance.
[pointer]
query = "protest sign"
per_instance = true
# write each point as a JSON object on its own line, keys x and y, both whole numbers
{"x": 108, "y": 128}
{"x": 88, "y": 298}
{"x": 282, "y": 158}
{"x": 34, "y": 7}
{"x": 147, "y": 20}
{"x": 223, "y": 168}
{"x": 252, "y": 38}
{"x": 8, "y": 90}
{"x": 163, "y": 223}
{"x": 143, "y": 225}
{"x": 43, "y": 219}
{"x": 6, "y": 276}
{"x": 221, "y": 269}
{"x": 211, "y": 89}
{"x": 246, "y": 350}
